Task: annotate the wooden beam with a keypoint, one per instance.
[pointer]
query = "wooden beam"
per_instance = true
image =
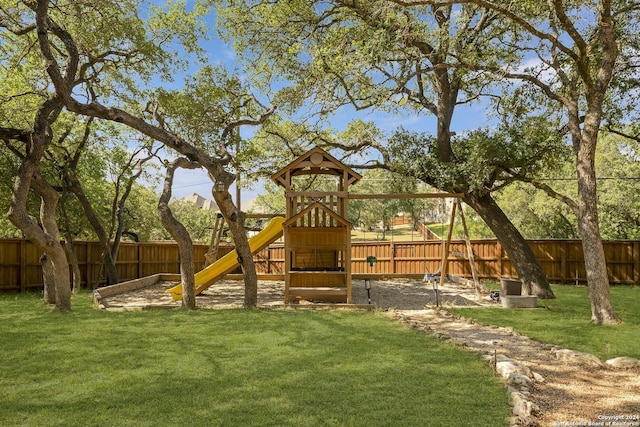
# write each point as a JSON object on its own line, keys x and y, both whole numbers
{"x": 317, "y": 194}
{"x": 406, "y": 196}
{"x": 445, "y": 253}
{"x": 262, "y": 215}
{"x": 315, "y": 171}
{"x": 636, "y": 263}
{"x": 470, "y": 255}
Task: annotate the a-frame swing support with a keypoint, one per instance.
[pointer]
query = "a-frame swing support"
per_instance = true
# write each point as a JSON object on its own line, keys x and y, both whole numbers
{"x": 470, "y": 255}
{"x": 447, "y": 242}
{"x": 445, "y": 253}
{"x": 457, "y": 205}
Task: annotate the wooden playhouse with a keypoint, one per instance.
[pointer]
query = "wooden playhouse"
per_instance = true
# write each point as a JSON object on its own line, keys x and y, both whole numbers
{"x": 317, "y": 234}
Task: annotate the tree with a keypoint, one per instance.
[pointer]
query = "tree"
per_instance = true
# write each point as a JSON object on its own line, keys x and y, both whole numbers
{"x": 28, "y": 139}
{"x": 485, "y": 161}
{"x": 72, "y": 184}
{"x": 383, "y": 55}
{"x": 577, "y": 48}
{"x": 29, "y": 135}
{"x": 211, "y": 109}
{"x": 540, "y": 216}
{"x": 88, "y": 58}
{"x": 128, "y": 169}
{"x": 243, "y": 109}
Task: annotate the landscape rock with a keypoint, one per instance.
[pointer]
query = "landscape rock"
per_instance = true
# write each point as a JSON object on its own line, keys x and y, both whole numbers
{"x": 518, "y": 421}
{"x": 502, "y": 358}
{"x": 537, "y": 377}
{"x": 571, "y": 356}
{"x": 623, "y": 363}
{"x": 520, "y": 381}
{"x": 522, "y": 407}
{"x": 508, "y": 367}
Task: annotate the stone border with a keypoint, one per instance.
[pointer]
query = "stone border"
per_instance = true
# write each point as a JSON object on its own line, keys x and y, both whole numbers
{"x": 520, "y": 379}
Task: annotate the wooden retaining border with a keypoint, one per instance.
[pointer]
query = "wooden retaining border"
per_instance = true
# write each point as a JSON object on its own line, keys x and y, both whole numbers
{"x": 131, "y": 285}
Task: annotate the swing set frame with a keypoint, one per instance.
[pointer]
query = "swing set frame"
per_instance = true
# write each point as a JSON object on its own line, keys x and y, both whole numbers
{"x": 456, "y": 206}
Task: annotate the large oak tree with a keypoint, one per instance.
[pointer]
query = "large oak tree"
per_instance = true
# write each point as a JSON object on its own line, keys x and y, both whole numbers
{"x": 97, "y": 57}
{"x": 573, "y": 50}
{"x": 385, "y": 56}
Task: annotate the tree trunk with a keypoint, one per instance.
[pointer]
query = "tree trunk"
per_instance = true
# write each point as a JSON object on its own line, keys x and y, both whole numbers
{"x": 61, "y": 276}
{"x": 109, "y": 264}
{"x": 55, "y": 276}
{"x": 185, "y": 248}
{"x": 56, "y": 256}
{"x": 48, "y": 280}
{"x": 120, "y": 211}
{"x": 594, "y": 257}
{"x": 76, "y": 283}
{"x": 46, "y": 238}
{"x": 187, "y": 273}
{"x": 117, "y": 238}
{"x": 235, "y": 218}
{"x": 179, "y": 234}
{"x": 529, "y": 270}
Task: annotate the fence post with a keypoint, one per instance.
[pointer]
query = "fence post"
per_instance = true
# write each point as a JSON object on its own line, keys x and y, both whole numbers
{"x": 392, "y": 248}
{"x": 23, "y": 266}
{"x": 139, "y": 255}
{"x": 89, "y": 266}
{"x": 268, "y": 260}
{"x": 636, "y": 262}
{"x": 498, "y": 249}
{"x": 563, "y": 262}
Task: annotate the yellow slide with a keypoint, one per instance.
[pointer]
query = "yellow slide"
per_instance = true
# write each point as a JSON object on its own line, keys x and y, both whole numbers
{"x": 216, "y": 271}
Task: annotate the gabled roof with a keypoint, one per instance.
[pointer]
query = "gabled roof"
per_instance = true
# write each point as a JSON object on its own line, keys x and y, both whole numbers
{"x": 317, "y": 205}
{"x": 315, "y": 161}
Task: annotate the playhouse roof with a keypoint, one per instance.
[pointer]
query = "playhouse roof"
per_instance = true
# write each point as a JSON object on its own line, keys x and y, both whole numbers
{"x": 315, "y": 161}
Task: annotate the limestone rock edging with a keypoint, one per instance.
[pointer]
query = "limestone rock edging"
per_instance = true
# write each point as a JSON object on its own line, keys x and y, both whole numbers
{"x": 623, "y": 363}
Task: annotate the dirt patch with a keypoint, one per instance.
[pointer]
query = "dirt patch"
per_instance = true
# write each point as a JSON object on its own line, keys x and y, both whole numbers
{"x": 565, "y": 393}
{"x": 399, "y": 294}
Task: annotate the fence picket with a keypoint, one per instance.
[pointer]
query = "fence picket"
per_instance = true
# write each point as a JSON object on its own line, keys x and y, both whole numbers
{"x": 562, "y": 260}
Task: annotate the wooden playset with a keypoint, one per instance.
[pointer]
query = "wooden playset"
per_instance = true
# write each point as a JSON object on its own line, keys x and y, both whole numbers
{"x": 317, "y": 234}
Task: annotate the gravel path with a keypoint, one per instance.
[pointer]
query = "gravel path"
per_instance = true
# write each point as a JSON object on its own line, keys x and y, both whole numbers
{"x": 571, "y": 389}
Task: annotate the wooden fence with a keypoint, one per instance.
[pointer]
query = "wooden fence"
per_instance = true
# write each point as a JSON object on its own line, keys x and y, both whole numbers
{"x": 562, "y": 260}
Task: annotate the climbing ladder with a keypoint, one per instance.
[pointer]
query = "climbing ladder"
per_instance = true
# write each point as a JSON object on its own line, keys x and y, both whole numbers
{"x": 212, "y": 253}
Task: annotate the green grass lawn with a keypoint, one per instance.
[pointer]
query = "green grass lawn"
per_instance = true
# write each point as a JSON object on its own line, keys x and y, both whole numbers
{"x": 233, "y": 368}
{"x": 565, "y": 321}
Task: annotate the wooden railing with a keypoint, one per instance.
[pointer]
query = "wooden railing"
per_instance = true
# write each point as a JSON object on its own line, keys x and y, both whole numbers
{"x": 562, "y": 260}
